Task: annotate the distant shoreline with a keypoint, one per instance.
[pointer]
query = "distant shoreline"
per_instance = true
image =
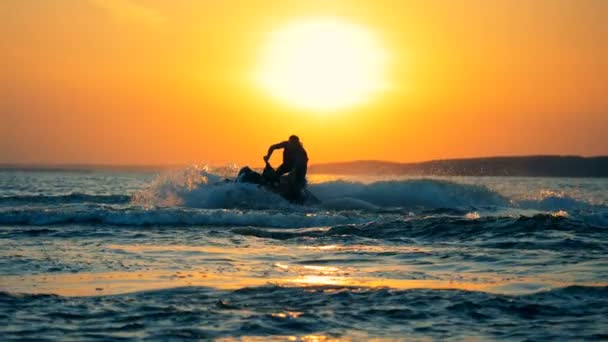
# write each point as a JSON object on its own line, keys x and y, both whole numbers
{"x": 516, "y": 166}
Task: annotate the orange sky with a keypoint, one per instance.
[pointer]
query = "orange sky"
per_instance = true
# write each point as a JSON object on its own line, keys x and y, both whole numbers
{"x": 155, "y": 82}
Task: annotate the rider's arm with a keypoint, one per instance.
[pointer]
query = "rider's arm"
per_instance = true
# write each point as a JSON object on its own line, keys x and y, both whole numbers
{"x": 275, "y": 147}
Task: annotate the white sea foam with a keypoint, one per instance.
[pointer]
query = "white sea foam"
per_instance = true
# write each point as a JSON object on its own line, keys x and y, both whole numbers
{"x": 472, "y": 215}
{"x": 203, "y": 187}
{"x": 200, "y": 188}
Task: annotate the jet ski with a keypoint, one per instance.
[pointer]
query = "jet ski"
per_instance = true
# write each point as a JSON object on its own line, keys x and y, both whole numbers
{"x": 285, "y": 185}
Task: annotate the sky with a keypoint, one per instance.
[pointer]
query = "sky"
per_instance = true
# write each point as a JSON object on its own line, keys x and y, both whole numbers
{"x": 173, "y": 82}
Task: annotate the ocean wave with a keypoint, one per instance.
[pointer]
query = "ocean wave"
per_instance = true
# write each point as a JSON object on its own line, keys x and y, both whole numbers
{"x": 200, "y": 188}
{"x": 274, "y": 312}
{"x": 64, "y": 199}
{"x": 174, "y": 217}
{"x": 541, "y": 231}
{"x": 196, "y": 187}
{"x": 553, "y": 203}
{"x": 178, "y": 192}
{"x": 203, "y": 188}
{"x": 374, "y": 222}
{"x": 430, "y": 193}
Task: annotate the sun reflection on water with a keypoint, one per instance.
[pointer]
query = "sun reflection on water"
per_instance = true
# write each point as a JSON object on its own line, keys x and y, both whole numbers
{"x": 106, "y": 283}
{"x": 227, "y": 268}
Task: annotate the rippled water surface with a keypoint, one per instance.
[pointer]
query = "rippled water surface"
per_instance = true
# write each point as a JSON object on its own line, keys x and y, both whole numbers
{"x": 108, "y": 255}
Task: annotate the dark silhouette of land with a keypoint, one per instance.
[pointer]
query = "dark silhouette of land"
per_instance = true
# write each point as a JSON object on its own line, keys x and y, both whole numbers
{"x": 526, "y": 166}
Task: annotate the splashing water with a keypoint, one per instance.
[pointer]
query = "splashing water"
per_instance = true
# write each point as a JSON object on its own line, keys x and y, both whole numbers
{"x": 202, "y": 187}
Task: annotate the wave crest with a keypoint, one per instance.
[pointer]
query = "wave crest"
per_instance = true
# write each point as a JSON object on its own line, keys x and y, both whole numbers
{"x": 204, "y": 188}
{"x": 208, "y": 188}
{"x": 430, "y": 193}
{"x": 75, "y": 197}
{"x": 174, "y": 217}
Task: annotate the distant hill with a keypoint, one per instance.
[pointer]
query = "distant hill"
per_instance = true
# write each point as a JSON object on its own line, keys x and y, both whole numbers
{"x": 530, "y": 166}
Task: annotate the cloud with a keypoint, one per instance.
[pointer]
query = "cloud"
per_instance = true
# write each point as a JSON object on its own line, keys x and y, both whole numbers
{"x": 128, "y": 10}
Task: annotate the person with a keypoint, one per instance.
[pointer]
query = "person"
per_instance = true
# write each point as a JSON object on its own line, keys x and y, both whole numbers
{"x": 295, "y": 159}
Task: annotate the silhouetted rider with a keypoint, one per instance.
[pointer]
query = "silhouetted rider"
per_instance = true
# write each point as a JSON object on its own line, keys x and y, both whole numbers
{"x": 295, "y": 159}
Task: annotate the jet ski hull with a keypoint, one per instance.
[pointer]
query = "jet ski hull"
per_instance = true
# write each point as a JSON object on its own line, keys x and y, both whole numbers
{"x": 281, "y": 185}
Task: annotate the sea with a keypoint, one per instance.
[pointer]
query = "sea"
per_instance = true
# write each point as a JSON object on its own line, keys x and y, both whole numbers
{"x": 181, "y": 255}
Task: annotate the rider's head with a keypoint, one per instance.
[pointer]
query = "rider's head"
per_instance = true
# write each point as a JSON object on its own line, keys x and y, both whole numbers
{"x": 294, "y": 139}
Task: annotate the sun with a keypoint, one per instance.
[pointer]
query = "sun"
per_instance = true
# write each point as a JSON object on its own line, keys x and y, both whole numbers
{"x": 322, "y": 65}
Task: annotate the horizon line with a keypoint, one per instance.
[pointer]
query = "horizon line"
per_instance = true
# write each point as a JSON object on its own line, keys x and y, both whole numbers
{"x": 81, "y": 165}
